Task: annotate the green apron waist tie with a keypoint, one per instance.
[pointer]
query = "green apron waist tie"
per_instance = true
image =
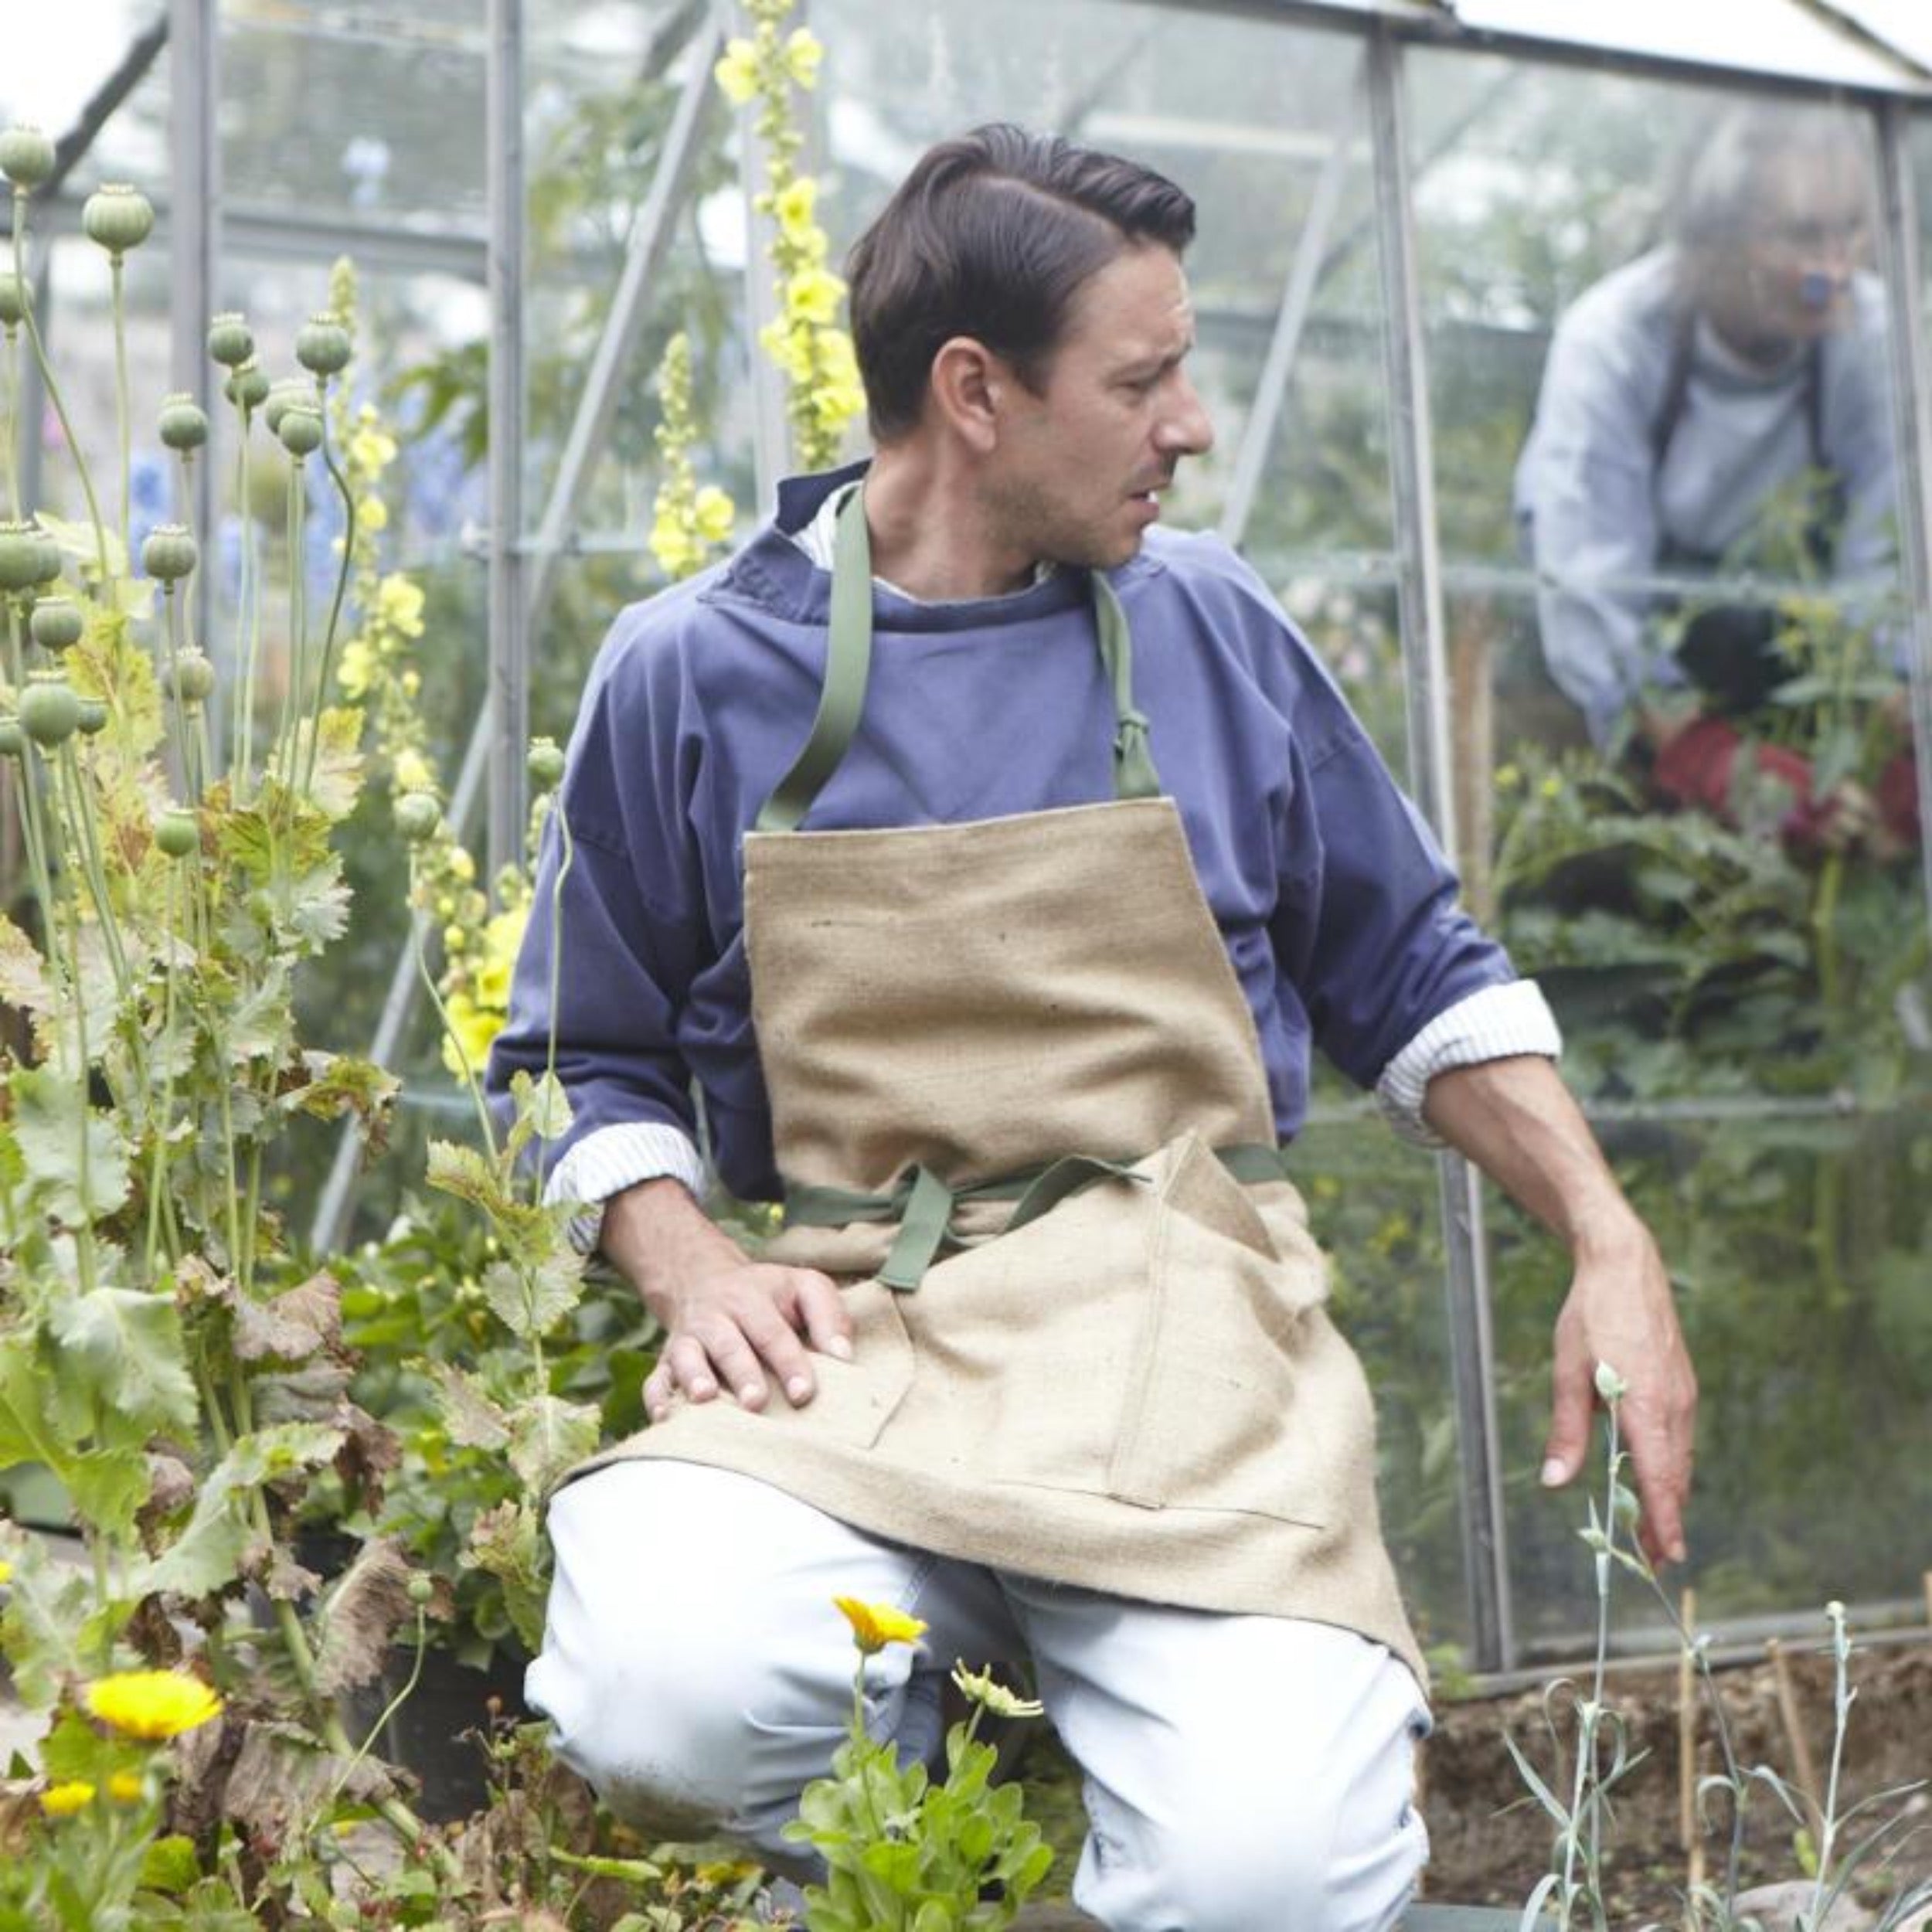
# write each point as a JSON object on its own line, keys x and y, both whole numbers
{"x": 922, "y": 1204}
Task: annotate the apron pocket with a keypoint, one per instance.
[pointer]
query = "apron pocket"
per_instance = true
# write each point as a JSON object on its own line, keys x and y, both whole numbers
{"x": 1216, "y": 1416}
{"x": 856, "y": 1399}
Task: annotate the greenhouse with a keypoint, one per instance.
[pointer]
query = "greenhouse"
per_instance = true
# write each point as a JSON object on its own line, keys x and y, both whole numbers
{"x": 1665, "y": 700}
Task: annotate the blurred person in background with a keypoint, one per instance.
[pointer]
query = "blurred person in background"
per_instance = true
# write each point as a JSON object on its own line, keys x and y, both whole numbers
{"x": 1721, "y": 406}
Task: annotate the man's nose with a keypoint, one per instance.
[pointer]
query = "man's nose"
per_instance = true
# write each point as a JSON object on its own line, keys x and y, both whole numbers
{"x": 1186, "y": 429}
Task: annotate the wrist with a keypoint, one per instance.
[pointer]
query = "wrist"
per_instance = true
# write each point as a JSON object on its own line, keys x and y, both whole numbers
{"x": 659, "y": 1237}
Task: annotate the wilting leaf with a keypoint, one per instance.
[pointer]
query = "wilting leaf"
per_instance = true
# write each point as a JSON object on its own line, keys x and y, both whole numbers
{"x": 362, "y": 1615}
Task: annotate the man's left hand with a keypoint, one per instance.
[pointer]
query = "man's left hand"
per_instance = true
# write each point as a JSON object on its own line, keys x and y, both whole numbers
{"x": 1620, "y": 1311}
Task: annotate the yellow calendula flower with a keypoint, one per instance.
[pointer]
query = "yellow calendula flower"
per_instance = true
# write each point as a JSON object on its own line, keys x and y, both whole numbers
{"x": 990, "y": 1694}
{"x": 794, "y": 206}
{"x": 737, "y": 73}
{"x": 126, "y": 1787}
{"x": 63, "y": 1800}
{"x": 876, "y": 1625}
{"x": 6, "y": 1573}
{"x": 805, "y": 54}
{"x": 152, "y": 1704}
{"x": 712, "y": 514}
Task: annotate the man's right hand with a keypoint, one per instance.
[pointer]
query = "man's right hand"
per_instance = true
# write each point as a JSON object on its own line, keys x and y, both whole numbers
{"x": 729, "y": 1322}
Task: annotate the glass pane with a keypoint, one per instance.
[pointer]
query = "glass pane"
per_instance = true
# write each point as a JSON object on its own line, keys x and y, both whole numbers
{"x": 1251, "y": 118}
{"x": 1378, "y": 1221}
{"x": 603, "y": 88}
{"x": 376, "y": 116}
{"x": 50, "y": 78}
{"x": 1661, "y": 389}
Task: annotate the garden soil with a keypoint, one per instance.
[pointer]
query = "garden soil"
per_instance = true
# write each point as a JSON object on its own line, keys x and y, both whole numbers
{"x": 1491, "y": 1842}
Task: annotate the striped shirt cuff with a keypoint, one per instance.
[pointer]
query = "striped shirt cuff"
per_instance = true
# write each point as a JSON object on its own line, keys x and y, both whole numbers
{"x": 615, "y": 1158}
{"x": 1495, "y": 1024}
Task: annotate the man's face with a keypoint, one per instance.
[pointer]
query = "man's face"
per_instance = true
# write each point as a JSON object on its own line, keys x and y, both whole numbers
{"x": 1076, "y": 472}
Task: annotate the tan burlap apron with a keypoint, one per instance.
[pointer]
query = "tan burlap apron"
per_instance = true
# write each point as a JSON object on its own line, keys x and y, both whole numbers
{"x": 1135, "y": 1387}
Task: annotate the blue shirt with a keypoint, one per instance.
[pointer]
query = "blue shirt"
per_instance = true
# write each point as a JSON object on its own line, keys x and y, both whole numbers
{"x": 1337, "y": 908}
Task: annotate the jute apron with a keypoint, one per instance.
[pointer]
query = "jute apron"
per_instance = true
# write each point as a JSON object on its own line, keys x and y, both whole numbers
{"x": 1020, "y": 1107}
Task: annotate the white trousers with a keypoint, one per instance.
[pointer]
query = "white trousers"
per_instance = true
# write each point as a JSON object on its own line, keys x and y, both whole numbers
{"x": 1242, "y": 1773}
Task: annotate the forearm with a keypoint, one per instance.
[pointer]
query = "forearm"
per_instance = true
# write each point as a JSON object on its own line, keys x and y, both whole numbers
{"x": 1517, "y": 1121}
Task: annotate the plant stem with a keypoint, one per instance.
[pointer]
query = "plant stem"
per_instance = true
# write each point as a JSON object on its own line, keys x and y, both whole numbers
{"x": 53, "y": 387}
{"x": 416, "y": 925}
{"x": 121, "y": 411}
{"x": 248, "y": 615}
{"x": 557, "y": 963}
{"x": 341, "y": 587}
{"x": 16, "y": 508}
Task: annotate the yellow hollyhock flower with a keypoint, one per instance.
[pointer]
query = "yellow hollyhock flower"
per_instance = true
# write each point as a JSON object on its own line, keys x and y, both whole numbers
{"x": 713, "y": 514}
{"x": 126, "y": 1787}
{"x": 399, "y": 604}
{"x": 63, "y": 1800}
{"x": 6, "y": 1573}
{"x": 356, "y": 668}
{"x": 804, "y": 53}
{"x": 876, "y": 1625}
{"x": 414, "y": 772}
{"x": 813, "y": 295}
{"x": 737, "y": 73}
{"x": 795, "y": 204}
{"x": 990, "y": 1694}
{"x": 152, "y": 1704}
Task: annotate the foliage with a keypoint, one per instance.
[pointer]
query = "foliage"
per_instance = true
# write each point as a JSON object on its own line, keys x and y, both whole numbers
{"x": 903, "y": 1853}
{"x": 1601, "y": 1760}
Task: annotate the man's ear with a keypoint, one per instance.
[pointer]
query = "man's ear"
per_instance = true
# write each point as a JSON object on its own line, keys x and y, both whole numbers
{"x": 967, "y": 388}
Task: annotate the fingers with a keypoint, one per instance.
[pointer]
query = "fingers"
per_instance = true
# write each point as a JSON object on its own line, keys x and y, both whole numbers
{"x": 741, "y": 1332}
{"x": 1658, "y": 1429}
{"x": 1573, "y": 1403}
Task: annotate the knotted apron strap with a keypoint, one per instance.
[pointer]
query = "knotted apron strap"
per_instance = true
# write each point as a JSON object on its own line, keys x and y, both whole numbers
{"x": 923, "y": 1204}
{"x": 848, "y": 667}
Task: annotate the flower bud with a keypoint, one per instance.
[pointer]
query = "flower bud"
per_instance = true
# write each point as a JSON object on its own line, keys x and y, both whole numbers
{"x": 56, "y": 623}
{"x": 191, "y": 678}
{"x": 248, "y": 388}
{"x": 230, "y": 342}
{"x": 169, "y": 552}
{"x": 421, "y": 1590}
{"x": 20, "y": 557}
{"x": 322, "y": 345}
{"x": 13, "y": 300}
{"x": 417, "y": 816}
{"x": 26, "y": 156}
{"x": 1609, "y": 1384}
{"x": 300, "y": 430}
{"x": 183, "y": 425}
{"x": 176, "y": 832}
{"x": 11, "y": 738}
{"x": 117, "y": 217}
{"x": 545, "y": 764}
{"x": 93, "y": 717}
{"x": 283, "y": 394}
{"x": 46, "y": 566}
{"x": 49, "y": 712}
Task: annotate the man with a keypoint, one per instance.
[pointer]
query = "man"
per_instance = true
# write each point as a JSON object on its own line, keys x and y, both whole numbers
{"x": 990, "y": 859}
{"x": 1719, "y": 404}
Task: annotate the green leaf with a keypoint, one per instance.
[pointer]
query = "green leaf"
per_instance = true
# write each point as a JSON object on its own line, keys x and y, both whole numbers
{"x": 47, "y": 1606}
{"x": 121, "y": 1349}
{"x": 169, "y": 1865}
{"x": 531, "y": 1301}
{"x": 463, "y": 1171}
{"x": 543, "y": 1103}
{"x": 50, "y": 1116}
{"x": 208, "y": 1554}
{"x": 551, "y": 1437}
{"x": 473, "y": 1417}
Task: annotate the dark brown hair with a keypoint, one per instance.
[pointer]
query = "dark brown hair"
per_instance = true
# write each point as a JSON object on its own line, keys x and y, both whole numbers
{"x": 992, "y": 236}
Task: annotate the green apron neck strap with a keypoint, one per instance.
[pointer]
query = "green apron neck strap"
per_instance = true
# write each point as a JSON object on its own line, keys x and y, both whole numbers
{"x": 848, "y": 666}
